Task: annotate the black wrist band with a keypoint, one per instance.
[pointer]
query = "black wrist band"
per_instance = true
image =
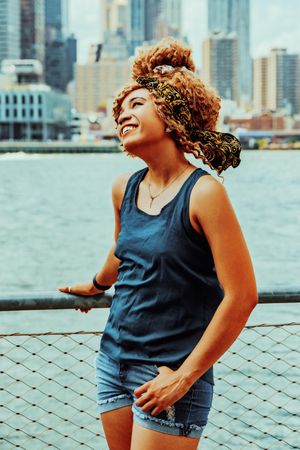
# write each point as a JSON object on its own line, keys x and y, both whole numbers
{"x": 99, "y": 286}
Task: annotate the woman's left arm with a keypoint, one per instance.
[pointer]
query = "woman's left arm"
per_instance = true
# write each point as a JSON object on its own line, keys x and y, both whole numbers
{"x": 216, "y": 217}
{"x": 235, "y": 272}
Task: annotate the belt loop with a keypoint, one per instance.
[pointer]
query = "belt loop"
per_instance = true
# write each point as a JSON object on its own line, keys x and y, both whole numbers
{"x": 123, "y": 372}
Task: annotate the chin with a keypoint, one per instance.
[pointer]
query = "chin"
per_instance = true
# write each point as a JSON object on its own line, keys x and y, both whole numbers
{"x": 132, "y": 150}
{"x": 133, "y": 145}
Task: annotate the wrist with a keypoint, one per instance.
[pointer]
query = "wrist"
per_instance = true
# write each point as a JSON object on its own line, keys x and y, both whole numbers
{"x": 189, "y": 375}
{"x": 99, "y": 286}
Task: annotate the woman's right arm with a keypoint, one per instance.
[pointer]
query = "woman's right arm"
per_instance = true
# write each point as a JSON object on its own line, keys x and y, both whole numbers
{"x": 108, "y": 274}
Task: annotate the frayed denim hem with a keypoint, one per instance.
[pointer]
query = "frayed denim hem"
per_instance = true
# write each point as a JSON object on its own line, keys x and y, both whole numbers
{"x": 163, "y": 426}
{"x": 119, "y": 401}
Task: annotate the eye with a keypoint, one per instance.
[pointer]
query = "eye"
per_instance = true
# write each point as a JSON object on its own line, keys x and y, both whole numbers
{"x": 136, "y": 103}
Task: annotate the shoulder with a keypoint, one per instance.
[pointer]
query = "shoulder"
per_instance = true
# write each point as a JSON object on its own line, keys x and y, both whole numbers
{"x": 119, "y": 187}
{"x": 208, "y": 194}
{"x": 120, "y": 182}
{"x": 207, "y": 187}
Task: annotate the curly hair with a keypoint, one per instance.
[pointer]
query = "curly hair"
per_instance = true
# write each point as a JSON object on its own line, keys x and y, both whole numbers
{"x": 203, "y": 102}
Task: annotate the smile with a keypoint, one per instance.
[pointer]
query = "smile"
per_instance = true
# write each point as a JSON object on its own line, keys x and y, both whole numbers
{"x": 128, "y": 128}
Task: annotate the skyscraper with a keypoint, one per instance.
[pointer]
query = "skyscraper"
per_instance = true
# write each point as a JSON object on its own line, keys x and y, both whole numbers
{"x": 60, "y": 51}
{"x": 136, "y": 24}
{"x": 152, "y": 13}
{"x": 96, "y": 83}
{"x": 150, "y": 20}
{"x": 33, "y": 30}
{"x": 71, "y": 56}
{"x": 169, "y": 21}
{"x": 260, "y": 83}
{"x": 56, "y": 19}
{"x": 220, "y": 69}
{"x": 218, "y": 15}
{"x": 234, "y": 16}
{"x": 114, "y": 17}
{"x": 283, "y": 87}
{"x": 276, "y": 82}
{"x": 9, "y": 29}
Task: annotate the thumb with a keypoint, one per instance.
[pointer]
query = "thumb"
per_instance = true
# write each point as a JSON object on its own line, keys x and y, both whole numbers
{"x": 164, "y": 369}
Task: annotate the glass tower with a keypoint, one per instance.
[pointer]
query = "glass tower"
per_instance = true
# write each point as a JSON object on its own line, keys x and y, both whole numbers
{"x": 234, "y": 16}
{"x": 9, "y": 29}
{"x": 150, "y": 20}
{"x": 33, "y": 30}
{"x": 136, "y": 28}
{"x": 60, "y": 51}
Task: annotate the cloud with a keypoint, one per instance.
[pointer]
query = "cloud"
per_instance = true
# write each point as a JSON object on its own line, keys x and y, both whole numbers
{"x": 284, "y": 39}
{"x": 275, "y": 24}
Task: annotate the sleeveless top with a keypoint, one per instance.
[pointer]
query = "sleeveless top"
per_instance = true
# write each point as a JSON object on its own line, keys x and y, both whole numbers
{"x": 167, "y": 288}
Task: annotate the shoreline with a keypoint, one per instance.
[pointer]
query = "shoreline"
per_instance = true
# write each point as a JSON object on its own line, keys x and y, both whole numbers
{"x": 61, "y": 147}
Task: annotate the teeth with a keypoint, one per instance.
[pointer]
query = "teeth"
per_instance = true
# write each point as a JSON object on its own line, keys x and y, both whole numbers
{"x": 127, "y": 128}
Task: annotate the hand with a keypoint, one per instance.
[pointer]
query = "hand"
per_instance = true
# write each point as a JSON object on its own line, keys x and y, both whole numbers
{"x": 162, "y": 392}
{"x": 85, "y": 289}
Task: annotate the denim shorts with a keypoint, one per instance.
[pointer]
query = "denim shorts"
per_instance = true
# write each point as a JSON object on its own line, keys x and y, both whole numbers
{"x": 116, "y": 383}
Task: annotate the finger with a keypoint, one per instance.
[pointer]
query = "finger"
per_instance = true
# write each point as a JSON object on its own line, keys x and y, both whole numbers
{"x": 156, "y": 411}
{"x": 142, "y": 400}
{"x": 148, "y": 406}
{"x": 64, "y": 289}
{"x": 142, "y": 389}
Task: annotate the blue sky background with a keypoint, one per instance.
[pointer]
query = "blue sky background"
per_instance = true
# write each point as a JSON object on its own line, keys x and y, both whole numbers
{"x": 274, "y": 23}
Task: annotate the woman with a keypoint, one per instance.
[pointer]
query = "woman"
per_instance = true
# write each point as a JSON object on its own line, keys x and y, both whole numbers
{"x": 185, "y": 285}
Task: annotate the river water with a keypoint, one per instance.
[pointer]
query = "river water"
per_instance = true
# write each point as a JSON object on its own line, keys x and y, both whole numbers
{"x": 56, "y": 226}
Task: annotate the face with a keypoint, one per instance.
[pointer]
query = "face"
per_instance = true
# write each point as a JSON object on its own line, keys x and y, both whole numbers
{"x": 138, "y": 122}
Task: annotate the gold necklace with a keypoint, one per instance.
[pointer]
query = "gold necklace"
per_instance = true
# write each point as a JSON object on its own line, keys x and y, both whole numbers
{"x": 153, "y": 197}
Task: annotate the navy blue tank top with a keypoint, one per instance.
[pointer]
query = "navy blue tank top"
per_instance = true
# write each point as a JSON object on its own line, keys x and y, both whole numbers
{"x": 167, "y": 288}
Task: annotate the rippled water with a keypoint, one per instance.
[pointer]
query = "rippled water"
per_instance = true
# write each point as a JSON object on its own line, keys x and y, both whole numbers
{"x": 56, "y": 226}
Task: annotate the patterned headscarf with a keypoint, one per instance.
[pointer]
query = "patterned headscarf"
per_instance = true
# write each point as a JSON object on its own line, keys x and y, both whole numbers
{"x": 221, "y": 150}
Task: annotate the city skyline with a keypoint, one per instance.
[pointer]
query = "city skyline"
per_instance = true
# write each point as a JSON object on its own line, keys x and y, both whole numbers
{"x": 84, "y": 22}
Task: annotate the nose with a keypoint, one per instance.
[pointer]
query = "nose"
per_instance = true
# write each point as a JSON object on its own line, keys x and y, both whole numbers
{"x": 125, "y": 115}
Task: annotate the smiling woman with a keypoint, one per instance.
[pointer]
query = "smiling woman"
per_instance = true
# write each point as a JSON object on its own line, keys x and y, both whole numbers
{"x": 178, "y": 303}
{"x": 138, "y": 120}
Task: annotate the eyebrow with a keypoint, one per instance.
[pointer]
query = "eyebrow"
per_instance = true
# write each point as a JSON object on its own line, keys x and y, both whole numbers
{"x": 131, "y": 100}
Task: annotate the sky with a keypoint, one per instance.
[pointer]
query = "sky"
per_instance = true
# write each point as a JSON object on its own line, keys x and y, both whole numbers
{"x": 274, "y": 23}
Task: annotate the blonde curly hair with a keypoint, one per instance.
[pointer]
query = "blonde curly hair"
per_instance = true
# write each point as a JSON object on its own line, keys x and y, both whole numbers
{"x": 203, "y": 102}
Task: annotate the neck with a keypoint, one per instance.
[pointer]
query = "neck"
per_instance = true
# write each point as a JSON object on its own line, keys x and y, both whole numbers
{"x": 162, "y": 176}
{"x": 164, "y": 161}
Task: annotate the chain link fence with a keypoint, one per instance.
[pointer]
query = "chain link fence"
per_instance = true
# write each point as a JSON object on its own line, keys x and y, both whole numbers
{"x": 48, "y": 395}
{"x": 48, "y": 391}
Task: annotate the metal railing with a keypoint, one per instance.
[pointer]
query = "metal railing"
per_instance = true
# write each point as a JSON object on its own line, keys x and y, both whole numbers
{"x": 47, "y": 387}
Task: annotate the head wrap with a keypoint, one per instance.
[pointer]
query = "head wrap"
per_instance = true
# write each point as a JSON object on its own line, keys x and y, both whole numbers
{"x": 221, "y": 150}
